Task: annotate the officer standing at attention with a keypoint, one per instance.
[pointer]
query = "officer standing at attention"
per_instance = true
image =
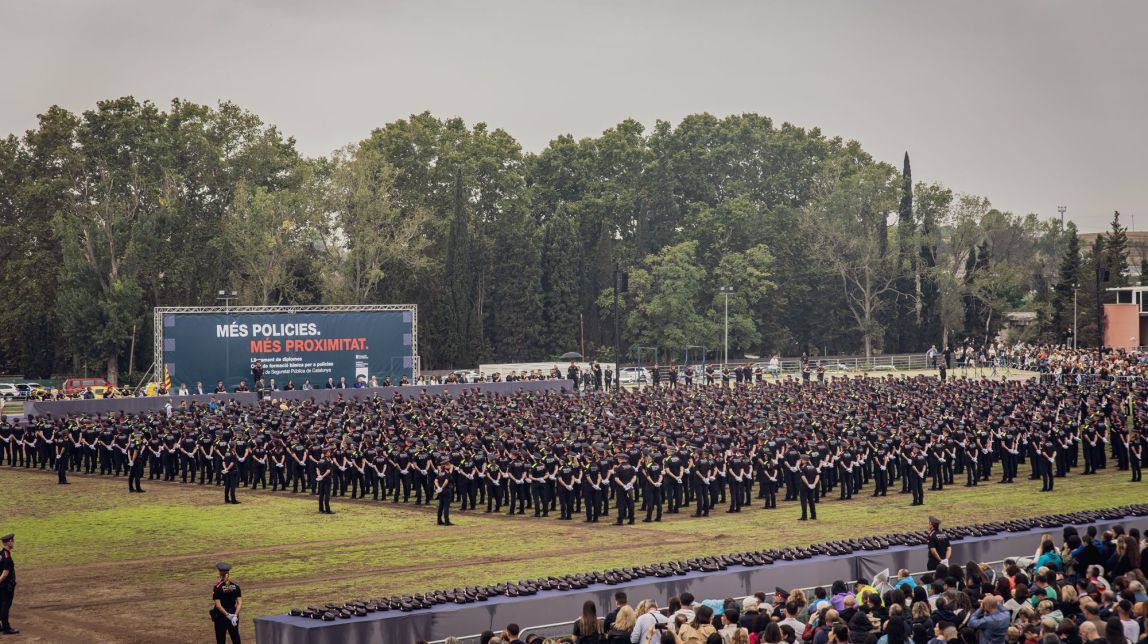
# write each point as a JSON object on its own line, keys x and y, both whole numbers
{"x": 227, "y": 600}
{"x": 939, "y": 547}
{"x": 230, "y": 476}
{"x": 809, "y": 480}
{"x": 444, "y": 490}
{"x": 135, "y": 465}
{"x": 7, "y": 583}
{"x": 62, "y": 458}
{"x": 624, "y": 478}
{"x": 323, "y": 476}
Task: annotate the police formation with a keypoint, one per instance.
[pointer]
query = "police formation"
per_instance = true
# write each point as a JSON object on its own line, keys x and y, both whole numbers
{"x": 596, "y": 456}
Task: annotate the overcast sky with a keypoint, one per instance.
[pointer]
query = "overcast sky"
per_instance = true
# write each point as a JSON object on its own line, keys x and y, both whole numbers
{"x": 1032, "y": 104}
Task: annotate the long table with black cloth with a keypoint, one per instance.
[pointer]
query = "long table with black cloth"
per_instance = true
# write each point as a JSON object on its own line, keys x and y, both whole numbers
{"x": 549, "y": 607}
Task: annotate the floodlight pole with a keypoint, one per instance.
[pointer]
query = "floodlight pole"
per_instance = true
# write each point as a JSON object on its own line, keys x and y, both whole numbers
{"x": 1099, "y": 327}
{"x": 227, "y": 299}
{"x": 617, "y": 340}
{"x": 726, "y": 291}
{"x": 1074, "y": 289}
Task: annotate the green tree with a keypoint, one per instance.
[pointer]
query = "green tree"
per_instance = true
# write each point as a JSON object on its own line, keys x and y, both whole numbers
{"x": 665, "y": 295}
{"x": 904, "y": 319}
{"x": 366, "y": 237}
{"x": 1115, "y": 257}
{"x": 1068, "y": 279}
{"x": 516, "y": 287}
{"x": 559, "y": 284}
{"x": 107, "y": 228}
{"x": 264, "y": 232}
{"x": 850, "y": 218}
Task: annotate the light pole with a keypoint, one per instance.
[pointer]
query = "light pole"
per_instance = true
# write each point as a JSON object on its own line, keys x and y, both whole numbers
{"x": 227, "y": 298}
{"x": 1061, "y": 210}
{"x": 726, "y": 291}
{"x": 1074, "y": 289}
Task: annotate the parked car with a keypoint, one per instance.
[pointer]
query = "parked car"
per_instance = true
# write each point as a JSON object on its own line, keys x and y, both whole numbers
{"x": 8, "y": 391}
{"x": 466, "y": 375}
{"x": 25, "y": 390}
{"x": 73, "y": 386}
{"x": 633, "y": 375}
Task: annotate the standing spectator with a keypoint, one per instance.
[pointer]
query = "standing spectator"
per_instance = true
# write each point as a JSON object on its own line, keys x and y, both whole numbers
{"x": 648, "y": 617}
{"x": 623, "y": 626}
{"x": 620, "y": 600}
{"x": 587, "y": 630}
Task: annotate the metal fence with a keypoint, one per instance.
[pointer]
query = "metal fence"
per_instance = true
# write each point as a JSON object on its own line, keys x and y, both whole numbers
{"x": 564, "y": 629}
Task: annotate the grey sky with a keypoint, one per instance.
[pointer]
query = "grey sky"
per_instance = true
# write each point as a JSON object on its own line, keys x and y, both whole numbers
{"x": 1032, "y": 104}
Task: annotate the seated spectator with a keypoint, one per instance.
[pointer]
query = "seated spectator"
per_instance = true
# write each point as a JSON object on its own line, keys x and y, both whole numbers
{"x": 751, "y": 620}
{"x": 1089, "y": 635}
{"x": 1049, "y": 557}
{"x": 990, "y": 622}
{"x": 771, "y": 634}
{"x": 1114, "y": 632}
{"x": 838, "y": 595}
{"x": 791, "y": 611}
{"x": 700, "y": 629}
{"x": 730, "y": 629}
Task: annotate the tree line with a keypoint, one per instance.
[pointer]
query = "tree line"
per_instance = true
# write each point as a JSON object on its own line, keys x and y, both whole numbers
{"x": 510, "y": 255}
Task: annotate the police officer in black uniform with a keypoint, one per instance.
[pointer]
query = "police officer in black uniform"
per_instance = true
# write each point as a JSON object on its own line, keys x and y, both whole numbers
{"x": 701, "y": 470}
{"x": 1136, "y": 455}
{"x": 809, "y": 480}
{"x": 939, "y": 547}
{"x": 1047, "y": 460}
{"x": 323, "y": 478}
{"x": 62, "y": 450}
{"x": 881, "y": 473}
{"x": 654, "y": 482}
{"x": 591, "y": 488}
{"x": 567, "y": 488}
{"x": 493, "y": 478}
{"x": 226, "y": 602}
{"x": 771, "y": 474}
{"x": 230, "y": 476}
{"x": 444, "y": 491}
{"x": 917, "y": 469}
{"x": 7, "y": 583}
{"x": 624, "y": 479}
{"x": 135, "y": 465}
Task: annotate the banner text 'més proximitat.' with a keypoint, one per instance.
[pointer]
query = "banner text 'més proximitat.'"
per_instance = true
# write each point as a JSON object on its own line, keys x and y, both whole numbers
{"x": 301, "y": 345}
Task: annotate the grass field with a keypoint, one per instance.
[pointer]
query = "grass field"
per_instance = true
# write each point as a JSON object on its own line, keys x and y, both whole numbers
{"x": 98, "y": 564}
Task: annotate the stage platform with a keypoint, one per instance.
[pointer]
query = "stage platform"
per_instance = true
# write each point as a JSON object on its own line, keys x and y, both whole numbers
{"x": 60, "y": 408}
{"x": 548, "y": 607}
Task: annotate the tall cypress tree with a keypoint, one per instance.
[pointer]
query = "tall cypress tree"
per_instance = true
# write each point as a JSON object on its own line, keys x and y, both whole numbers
{"x": 930, "y": 294}
{"x": 1116, "y": 254}
{"x": 903, "y": 327}
{"x": 560, "y": 283}
{"x": 516, "y": 287}
{"x": 460, "y": 281}
{"x": 1067, "y": 276}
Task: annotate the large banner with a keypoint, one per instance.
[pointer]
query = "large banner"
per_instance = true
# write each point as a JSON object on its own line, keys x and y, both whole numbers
{"x": 292, "y": 344}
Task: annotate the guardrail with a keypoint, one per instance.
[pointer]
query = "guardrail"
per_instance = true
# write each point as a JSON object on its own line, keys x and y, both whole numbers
{"x": 564, "y": 629}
